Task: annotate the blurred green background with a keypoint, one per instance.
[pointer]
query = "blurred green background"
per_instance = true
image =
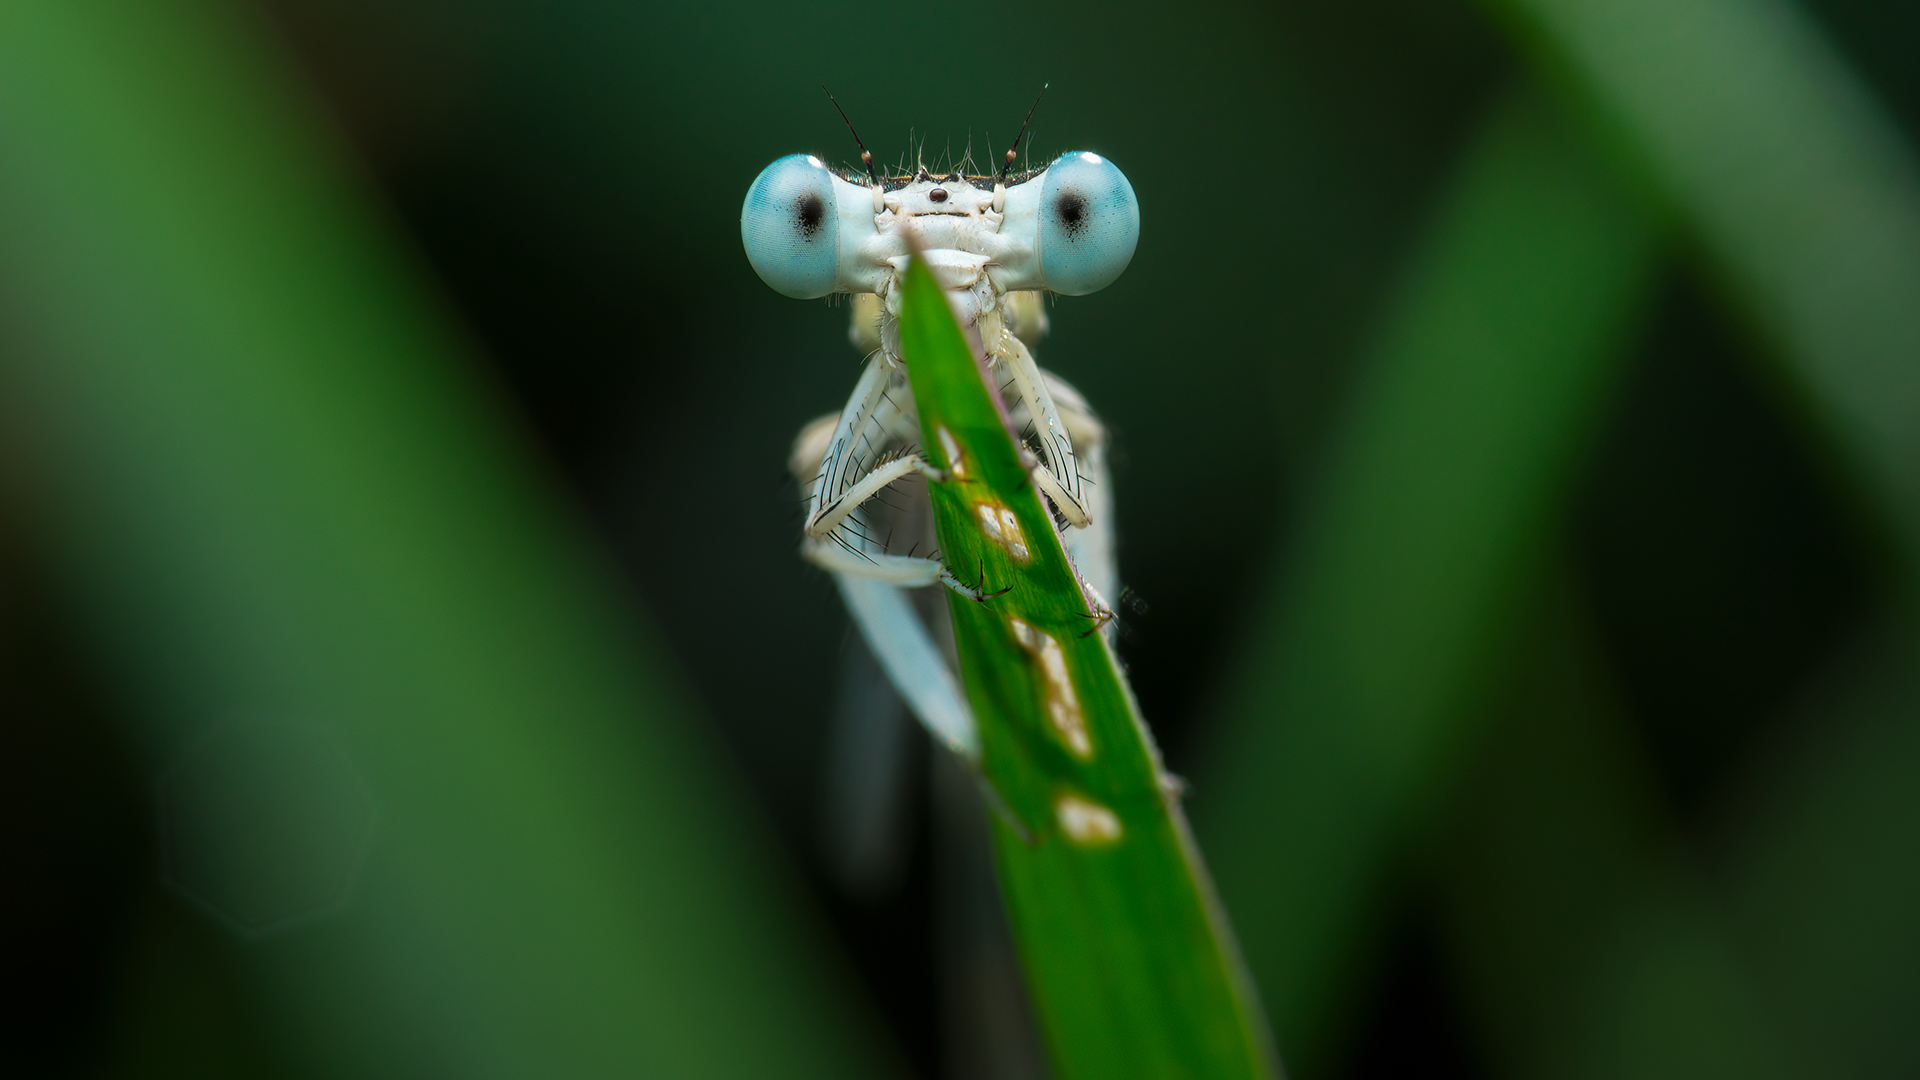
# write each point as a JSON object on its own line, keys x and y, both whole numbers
{"x": 407, "y": 670}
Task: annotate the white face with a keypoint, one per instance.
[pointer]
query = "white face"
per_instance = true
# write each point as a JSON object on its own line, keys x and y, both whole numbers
{"x": 1069, "y": 227}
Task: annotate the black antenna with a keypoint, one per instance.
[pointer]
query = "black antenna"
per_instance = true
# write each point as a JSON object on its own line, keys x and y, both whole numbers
{"x": 865, "y": 158}
{"x": 1015, "y": 148}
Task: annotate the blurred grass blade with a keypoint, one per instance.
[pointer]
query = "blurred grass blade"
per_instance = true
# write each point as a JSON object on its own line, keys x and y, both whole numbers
{"x": 1822, "y": 861}
{"x": 310, "y": 553}
{"x": 1800, "y": 189}
{"x": 1443, "y": 484}
{"x": 1131, "y": 965}
{"x": 1807, "y": 199}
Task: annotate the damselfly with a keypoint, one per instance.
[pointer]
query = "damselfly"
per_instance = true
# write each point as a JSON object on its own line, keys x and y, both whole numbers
{"x": 996, "y": 243}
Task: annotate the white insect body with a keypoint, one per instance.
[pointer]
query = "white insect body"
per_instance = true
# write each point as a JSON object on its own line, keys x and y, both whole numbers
{"x": 994, "y": 243}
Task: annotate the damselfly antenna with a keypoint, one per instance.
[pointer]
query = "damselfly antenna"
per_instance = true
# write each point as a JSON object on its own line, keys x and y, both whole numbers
{"x": 866, "y": 158}
{"x": 1015, "y": 148}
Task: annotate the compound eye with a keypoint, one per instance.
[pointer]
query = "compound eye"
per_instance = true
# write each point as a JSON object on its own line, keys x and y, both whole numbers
{"x": 790, "y": 228}
{"x": 1089, "y": 224}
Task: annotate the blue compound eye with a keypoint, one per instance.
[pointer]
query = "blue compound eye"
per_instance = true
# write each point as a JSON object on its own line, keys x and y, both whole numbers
{"x": 1089, "y": 224}
{"x": 791, "y": 229}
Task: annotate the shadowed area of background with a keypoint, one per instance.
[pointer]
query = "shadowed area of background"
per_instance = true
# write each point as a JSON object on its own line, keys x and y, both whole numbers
{"x": 406, "y": 667}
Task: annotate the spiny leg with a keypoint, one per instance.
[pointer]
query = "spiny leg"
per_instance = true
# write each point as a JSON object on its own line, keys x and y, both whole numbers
{"x": 867, "y": 429}
{"x": 1058, "y": 473}
{"x": 1091, "y": 547}
{"x": 873, "y": 583}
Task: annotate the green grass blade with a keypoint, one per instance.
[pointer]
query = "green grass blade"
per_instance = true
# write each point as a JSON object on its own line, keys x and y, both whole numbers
{"x": 1472, "y": 415}
{"x": 280, "y": 504}
{"x": 1130, "y": 961}
{"x": 1800, "y": 189}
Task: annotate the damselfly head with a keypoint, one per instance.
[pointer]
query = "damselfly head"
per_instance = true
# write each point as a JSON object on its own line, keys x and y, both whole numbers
{"x": 1070, "y": 226}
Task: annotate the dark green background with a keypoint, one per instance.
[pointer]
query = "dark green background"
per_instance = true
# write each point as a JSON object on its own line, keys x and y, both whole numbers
{"x": 1673, "y": 830}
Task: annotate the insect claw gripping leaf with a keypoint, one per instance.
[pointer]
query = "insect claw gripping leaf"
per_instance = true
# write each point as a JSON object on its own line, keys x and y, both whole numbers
{"x": 1100, "y": 619}
{"x": 977, "y": 592}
